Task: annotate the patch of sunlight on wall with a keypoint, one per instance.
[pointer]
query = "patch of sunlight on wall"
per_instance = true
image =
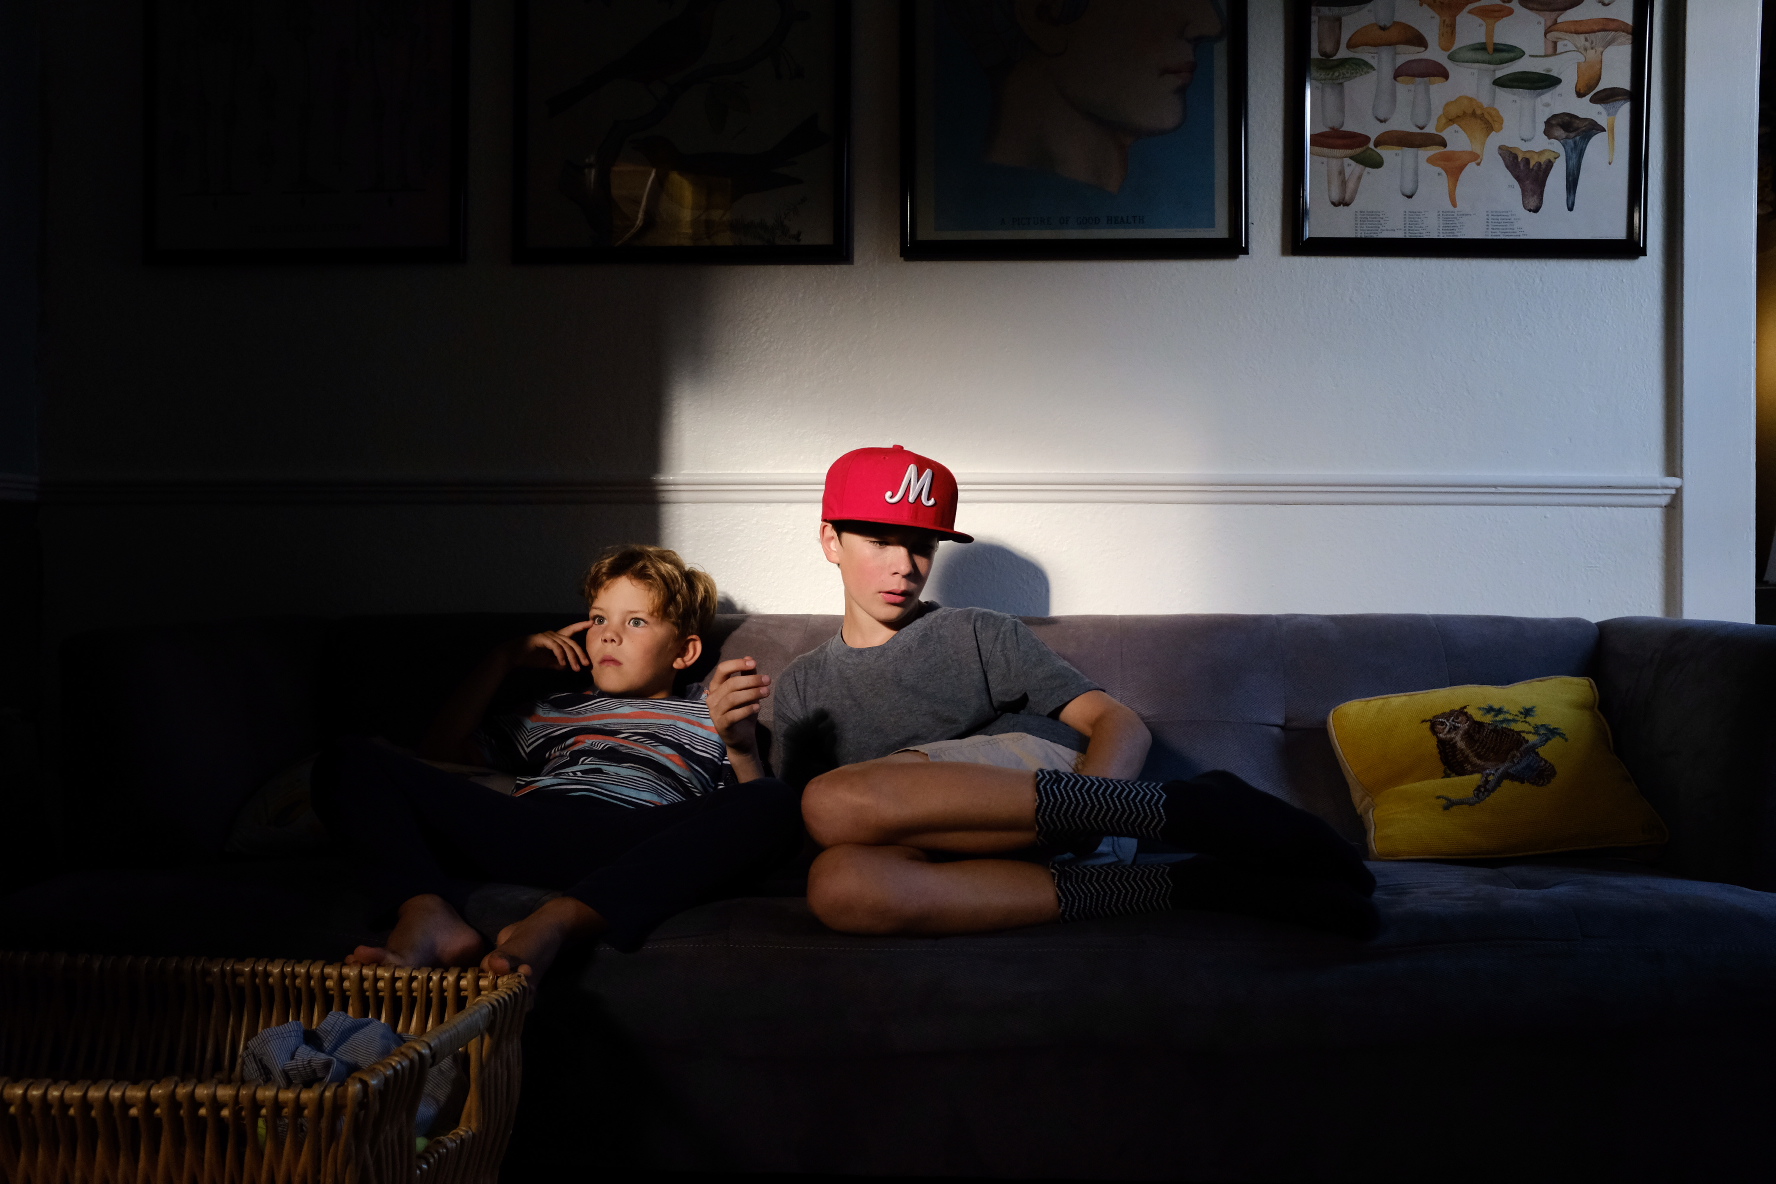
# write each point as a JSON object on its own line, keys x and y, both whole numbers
{"x": 1766, "y": 404}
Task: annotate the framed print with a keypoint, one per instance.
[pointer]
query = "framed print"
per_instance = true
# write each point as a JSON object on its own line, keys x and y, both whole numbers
{"x": 1450, "y": 128}
{"x": 298, "y": 131}
{"x": 691, "y": 131}
{"x": 1073, "y": 129}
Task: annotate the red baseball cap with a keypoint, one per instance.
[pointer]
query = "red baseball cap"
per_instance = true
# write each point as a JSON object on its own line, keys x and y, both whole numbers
{"x": 893, "y": 487}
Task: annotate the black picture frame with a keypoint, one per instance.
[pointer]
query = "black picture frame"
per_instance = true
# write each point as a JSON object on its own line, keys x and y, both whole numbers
{"x": 922, "y": 177}
{"x": 304, "y": 135}
{"x": 1631, "y": 244}
{"x": 826, "y": 165}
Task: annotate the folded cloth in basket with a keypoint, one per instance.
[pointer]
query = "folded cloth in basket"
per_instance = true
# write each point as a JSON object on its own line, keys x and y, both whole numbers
{"x": 292, "y": 1055}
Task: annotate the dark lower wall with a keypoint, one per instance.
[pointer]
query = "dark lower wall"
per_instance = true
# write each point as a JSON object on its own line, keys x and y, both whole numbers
{"x": 25, "y": 817}
{"x": 28, "y": 833}
{"x": 21, "y": 231}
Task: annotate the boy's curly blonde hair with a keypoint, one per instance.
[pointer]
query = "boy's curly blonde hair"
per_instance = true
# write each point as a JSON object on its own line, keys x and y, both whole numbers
{"x": 683, "y": 595}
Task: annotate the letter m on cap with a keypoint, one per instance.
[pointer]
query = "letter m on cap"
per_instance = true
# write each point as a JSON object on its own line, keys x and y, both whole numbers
{"x": 914, "y": 487}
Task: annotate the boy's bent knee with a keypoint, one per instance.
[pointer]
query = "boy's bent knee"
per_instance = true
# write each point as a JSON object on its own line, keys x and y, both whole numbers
{"x": 843, "y": 807}
{"x": 851, "y": 890}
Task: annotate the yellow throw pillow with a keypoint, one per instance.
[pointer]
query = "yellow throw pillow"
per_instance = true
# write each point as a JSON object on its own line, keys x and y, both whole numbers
{"x": 1488, "y": 772}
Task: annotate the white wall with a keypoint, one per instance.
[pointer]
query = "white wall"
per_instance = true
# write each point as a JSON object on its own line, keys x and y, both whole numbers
{"x": 1543, "y": 380}
{"x": 1716, "y": 403}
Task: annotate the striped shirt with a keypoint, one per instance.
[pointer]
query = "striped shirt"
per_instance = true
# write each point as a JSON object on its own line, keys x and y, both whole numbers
{"x": 628, "y": 752}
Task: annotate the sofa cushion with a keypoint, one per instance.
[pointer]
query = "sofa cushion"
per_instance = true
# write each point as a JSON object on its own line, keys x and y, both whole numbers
{"x": 1566, "y": 1003}
{"x": 1558, "y": 948}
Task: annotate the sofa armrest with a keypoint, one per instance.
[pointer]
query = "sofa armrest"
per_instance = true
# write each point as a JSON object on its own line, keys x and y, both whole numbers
{"x": 1693, "y": 708}
{"x": 167, "y": 731}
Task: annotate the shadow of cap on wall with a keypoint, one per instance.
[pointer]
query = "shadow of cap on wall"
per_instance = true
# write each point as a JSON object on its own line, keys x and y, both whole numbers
{"x": 989, "y": 575}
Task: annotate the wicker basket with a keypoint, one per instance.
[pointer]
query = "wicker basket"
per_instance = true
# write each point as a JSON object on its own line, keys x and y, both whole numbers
{"x": 127, "y": 1069}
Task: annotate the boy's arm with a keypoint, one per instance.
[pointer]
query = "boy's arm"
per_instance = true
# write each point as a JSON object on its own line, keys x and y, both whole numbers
{"x": 1117, "y": 740}
{"x": 747, "y": 766}
{"x": 1019, "y": 666}
{"x": 452, "y": 734}
{"x": 736, "y": 694}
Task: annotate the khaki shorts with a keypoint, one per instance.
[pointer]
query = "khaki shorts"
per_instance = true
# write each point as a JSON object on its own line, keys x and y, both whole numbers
{"x": 1020, "y": 750}
{"x": 1012, "y": 750}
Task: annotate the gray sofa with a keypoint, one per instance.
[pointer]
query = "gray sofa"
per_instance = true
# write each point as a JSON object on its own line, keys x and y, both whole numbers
{"x": 1554, "y": 1018}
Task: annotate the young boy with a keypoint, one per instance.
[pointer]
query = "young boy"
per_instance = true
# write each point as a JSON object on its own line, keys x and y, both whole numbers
{"x": 626, "y": 800}
{"x": 922, "y": 730}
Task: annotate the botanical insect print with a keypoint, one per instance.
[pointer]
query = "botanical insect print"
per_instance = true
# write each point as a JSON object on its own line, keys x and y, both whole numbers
{"x": 1502, "y": 747}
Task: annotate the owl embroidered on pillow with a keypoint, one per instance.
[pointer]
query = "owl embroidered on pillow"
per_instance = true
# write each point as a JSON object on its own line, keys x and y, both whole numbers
{"x": 1479, "y": 772}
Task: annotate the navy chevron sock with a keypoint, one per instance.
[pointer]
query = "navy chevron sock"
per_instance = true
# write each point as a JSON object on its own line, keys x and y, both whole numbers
{"x": 1070, "y": 804}
{"x": 1216, "y": 813}
{"x": 1111, "y": 890}
{"x": 1205, "y": 882}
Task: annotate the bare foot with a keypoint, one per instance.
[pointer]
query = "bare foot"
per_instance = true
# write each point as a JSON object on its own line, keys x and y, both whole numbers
{"x": 428, "y": 932}
{"x": 531, "y": 946}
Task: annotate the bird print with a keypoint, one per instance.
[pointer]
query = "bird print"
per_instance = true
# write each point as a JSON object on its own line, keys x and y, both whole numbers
{"x": 742, "y": 172}
{"x": 671, "y": 48}
{"x": 1496, "y": 751}
{"x": 689, "y": 197}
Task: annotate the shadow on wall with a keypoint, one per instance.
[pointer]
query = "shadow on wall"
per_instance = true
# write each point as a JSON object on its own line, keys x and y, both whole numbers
{"x": 989, "y": 575}
{"x": 448, "y": 382}
{"x": 399, "y": 417}
{"x": 330, "y": 439}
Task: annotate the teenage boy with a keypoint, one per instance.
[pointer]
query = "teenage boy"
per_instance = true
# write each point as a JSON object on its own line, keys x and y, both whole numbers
{"x": 922, "y": 731}
{"x": 625, "y": 800}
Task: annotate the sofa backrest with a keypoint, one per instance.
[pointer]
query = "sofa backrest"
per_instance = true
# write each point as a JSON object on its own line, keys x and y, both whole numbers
{"x": 218, "y": 709}
{"x": 1250, "y": 694}
{"x": 165, "y": 732}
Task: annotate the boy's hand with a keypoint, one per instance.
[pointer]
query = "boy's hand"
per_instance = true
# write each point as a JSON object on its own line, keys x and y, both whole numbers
{"x": 736, "y": 693}
{"x": 553, "y": 649}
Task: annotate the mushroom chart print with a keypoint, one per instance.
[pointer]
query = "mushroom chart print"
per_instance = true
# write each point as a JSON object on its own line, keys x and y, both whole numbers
{"x": 1500, "y": 101}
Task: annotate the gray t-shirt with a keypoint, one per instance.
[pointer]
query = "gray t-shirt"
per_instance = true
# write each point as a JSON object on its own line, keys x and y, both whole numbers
{"x": 953, "y": 672}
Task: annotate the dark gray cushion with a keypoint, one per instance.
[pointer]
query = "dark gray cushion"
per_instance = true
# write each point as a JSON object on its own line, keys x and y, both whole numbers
{"x": 1692, "y": 705}
{"x": 194, "y": 718}
{"x": 1535, "y": 1019}
{"x": 1557, "y": 948}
